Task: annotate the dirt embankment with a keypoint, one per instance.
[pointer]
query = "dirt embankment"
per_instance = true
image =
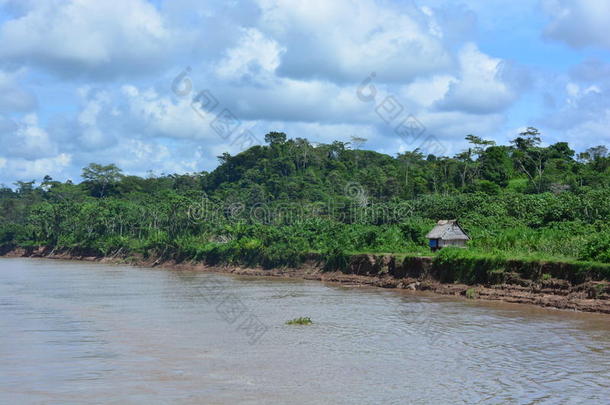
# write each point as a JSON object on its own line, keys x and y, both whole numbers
{"x": 386, "y": 271}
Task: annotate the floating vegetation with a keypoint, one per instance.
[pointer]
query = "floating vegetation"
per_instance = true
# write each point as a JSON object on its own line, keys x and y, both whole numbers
{"x": 300, "y": 321}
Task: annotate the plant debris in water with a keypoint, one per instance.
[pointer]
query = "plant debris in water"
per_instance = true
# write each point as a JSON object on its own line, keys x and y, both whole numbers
{"x": 300, "y": 321}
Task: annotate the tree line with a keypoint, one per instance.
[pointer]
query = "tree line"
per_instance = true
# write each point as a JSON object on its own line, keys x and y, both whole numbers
{"x": 521, "y": 200}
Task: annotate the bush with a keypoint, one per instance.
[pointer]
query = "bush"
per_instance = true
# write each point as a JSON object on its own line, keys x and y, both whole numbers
{"x": 471, "y": 293}
{"x": 415, "y": 229}
{"x": 10, "y": 234}
{"x": 596, "y": 249}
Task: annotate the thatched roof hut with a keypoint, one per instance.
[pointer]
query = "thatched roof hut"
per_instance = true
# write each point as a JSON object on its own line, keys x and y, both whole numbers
{"x": 447, "y": 233}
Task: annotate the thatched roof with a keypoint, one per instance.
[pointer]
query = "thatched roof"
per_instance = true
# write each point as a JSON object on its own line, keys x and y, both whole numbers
{"x": 447, "y": 230}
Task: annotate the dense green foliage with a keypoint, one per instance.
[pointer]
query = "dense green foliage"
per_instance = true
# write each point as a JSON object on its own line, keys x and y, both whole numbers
{"x": 472, "y": 267}
{"x": 276, "y": 204}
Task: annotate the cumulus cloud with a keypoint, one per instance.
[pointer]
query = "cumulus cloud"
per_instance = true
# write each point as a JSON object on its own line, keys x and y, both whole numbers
{"x": 38, "y": 168}
{"x": 429, "y": 91}
{"x": 484, "y": 85}
{"x": 28, "y": 141}
{"x": 253, "y": 60}
{"x": 21, "y": 169}
{"x": 453, "y": 126}
{"x": 138, "y": 156}
{"x": 97, "y": 110}
{"x": 146, "y": 111}
{"x": 275, "y": 65}
{"x": 578, "y": 23}
{"x": 87, "y": 37}
{"x": 296, "y": 100}
{"x": 582, "y": 112}
{"x": 345, "y": 40}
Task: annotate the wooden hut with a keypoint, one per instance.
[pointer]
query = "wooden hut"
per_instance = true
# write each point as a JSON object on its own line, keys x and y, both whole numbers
{"x": 447, "y": 233}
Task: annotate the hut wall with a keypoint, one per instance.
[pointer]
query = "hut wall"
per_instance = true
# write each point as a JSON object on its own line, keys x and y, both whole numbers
{"x": 458, "y": 243}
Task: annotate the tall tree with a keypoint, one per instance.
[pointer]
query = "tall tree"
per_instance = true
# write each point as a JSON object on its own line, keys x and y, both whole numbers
{"x": 530, "y": 157}
{"x": 275, "y": 138}
{"x": 100, "y": 178}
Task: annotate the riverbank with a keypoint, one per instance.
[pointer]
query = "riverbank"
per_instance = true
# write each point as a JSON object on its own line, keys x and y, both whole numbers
{"x": 551, "y": 285}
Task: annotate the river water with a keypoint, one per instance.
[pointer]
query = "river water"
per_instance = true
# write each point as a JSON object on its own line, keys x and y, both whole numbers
{"x": 74, "y": 333}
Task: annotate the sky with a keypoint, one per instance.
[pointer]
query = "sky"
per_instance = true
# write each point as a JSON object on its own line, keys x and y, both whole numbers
{"x": 166, "y": 86}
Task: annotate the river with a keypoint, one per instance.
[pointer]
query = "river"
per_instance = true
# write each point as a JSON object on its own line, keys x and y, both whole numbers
{"x": 77, "y": 332}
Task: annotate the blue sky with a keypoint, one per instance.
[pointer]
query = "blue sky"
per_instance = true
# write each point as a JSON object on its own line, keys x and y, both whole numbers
{"x": 86, "y": 81}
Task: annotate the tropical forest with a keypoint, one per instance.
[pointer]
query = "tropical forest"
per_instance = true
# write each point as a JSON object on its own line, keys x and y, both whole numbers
{"x": 280, "y": 203}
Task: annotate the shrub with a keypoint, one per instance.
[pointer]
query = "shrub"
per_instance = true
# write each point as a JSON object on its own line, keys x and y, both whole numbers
{"x": 596, "y": 249}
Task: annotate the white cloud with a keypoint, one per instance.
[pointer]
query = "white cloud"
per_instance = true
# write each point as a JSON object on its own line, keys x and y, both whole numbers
{"x": 296, "y": 100}
{"x": 255, "y": 57}
{"x": 275, "y": 64}
{"x": 138, "y": 156}
{"x": 153, "y": 114}
{"x": 453, "y": 126}
{"x": 76, "y": 37}
{"x": 90, "y": 135}
{"x": 482, "y": 86}
{"x": 345, "y": 40}
{"x": 29, "y": 141}
{"x": 26, "y": 170}
{"x": 428, "y": 91}
{"x": 581, "y": 113}
{"x": 578, "y": 23}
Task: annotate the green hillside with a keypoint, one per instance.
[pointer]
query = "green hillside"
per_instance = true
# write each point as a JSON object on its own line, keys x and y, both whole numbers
{"x": 273, "y": 205}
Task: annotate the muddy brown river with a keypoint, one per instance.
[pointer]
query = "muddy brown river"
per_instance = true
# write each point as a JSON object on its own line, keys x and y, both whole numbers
{"x": 84, "y": 333}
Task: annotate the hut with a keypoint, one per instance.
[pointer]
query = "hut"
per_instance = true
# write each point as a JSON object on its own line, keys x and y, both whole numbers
{"x": 447, "y": 233}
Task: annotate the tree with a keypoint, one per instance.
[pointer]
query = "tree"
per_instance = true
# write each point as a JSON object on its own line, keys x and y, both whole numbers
{"x": 478, "y": 144}
{"x": 413, "y": 163}
{"x": 224, "y": 158}
{"x": 25, "y": 188}
{"x": 275, "y": 138}
{"x": 597, "y": 152}
{"x": 356, "y": 141}
{"x": 529, "y": 156}
{"x": 599, "y": 158}
{"x": 101, "y": 178}
{"x": 561, "y": 150}
{"x": 273, "y": 204}
{"x": 530, "y": 138}
{"x": 496, "y": 165}
{"x": 48, "y": 183}
{"x": 470, "y": 166}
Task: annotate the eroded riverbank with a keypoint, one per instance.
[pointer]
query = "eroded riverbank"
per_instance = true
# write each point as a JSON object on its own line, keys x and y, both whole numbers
{"x": 385, "y": 271}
